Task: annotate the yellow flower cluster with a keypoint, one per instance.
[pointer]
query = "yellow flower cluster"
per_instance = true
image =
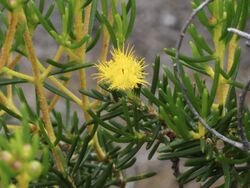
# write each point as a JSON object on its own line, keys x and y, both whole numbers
{"x": 124, "y": 71}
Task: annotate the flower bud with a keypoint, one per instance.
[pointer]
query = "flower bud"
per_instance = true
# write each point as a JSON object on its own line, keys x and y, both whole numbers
{"x": 220, "y": 145}
{"x": 27, "y": 152}
{"x": 13, "y": 3}
{"x": 34, "y": 169}
{"x": 17, "y": 166}
{"x": 12, "y": 186}
{"x": 7, "y": 157}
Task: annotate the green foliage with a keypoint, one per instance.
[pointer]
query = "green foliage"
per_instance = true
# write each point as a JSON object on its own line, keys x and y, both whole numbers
{"x": 20, "y": 154}
{"x": 49, "y": 147}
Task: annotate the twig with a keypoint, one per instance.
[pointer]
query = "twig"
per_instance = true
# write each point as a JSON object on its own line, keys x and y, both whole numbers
{"x": 177, "y": 70}
{"x": 9, "y": 39}
{"x": 240, "y": 33}
{"x": 247, "y": 44}
{"x": 242, "y": 98}
{"x": 40, "y": 90}
{"x": 176, "y": 169}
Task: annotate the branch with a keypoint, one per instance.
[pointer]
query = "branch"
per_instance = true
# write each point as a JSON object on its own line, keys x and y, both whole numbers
{"x": 242, "y": 98}
{"x": 177, "y": 70}
{"x": 176, "y": 169}
{"x": 240, "y": 33}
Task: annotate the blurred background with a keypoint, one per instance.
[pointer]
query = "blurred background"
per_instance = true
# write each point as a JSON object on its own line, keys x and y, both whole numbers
{"x": 157, "y": 26}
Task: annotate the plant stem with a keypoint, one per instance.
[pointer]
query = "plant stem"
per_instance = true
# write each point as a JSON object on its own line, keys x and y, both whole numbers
{"x": 219, "y": 53}
{"x": 105, "y": 41}
{"x": 9, "y": 39}
{"x": 17, "y": 74}
{"x": 56, "y": 58}
{"x": 60, "y": 86}
{"x": 232, "y": 46}
{"x": 13, "y": 63}
{"x": 5, "y": 101}
{"x": 57, "y": 97}
{"x": 9, "y": 87}
{"x": 176, "y": 169}
{"x": 46, "y": 73}
{"x": 80, "y": 31}
{"x": 40, "y": 90}
{"x": 23, "y": 180}
{"x": 64, "y": 89}
{"x": 177, "y": 69}
{"x": 231, "y": 52}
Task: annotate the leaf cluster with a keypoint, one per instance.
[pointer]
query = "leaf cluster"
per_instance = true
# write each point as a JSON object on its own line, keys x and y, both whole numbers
{"x": 97, "y": 151}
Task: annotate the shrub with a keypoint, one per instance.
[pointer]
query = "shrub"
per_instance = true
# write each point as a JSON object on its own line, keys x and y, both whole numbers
{"x": 197, "y": 117}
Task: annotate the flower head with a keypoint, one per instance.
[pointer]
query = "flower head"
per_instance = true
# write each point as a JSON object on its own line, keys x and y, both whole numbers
{"x": 124, "y": 71}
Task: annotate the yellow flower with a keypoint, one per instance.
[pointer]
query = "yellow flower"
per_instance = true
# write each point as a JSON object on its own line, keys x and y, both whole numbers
{"x": 124, "y": 71}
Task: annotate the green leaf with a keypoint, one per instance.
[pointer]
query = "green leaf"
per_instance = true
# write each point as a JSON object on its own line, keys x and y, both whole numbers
{"x": 10, "y": 112}
{"x": 6, "y": 4}
{"x": 41, "y": 5}
{"x": 93, "y": 94}
{"x": 183, "y": 153}
{"x": 152, "y": 98}
{"x": 196, "y": 174}
{"x": 60, "y": 65}
{"x": 44, "y": 134}
{"x": 50, "y": 10}
{"x": 4, "y": 144}
{"x": 128, "y": 164}
{"x": 86, "y": 3}
{"x": 44, "y": 184}
{"x": 202, "y": 59}
{"x": 156, "y": 71}
{"x": 72, "y": 148}
{"x": 27, "y": 108}
{"x": 107, "y": 126}
{"x": 6, "y": 169}
{"x": 226, "y": 170}
{"x": 169, "y": 122}
{"x": 204, "y": 106}
{"x": 201, "y": 14}
{"x": 196, "y": 161}
{"x": 244, "y": 15}
{"x": 104, "y": 4}
{"x": 186, "y": 174}
{"x": 59, "y": 132}
{"x": 102, "y": 18}
{"x": 11, "y": 81}
{"x": 75, "y": 66}
{"x": 86, "y": 140}
{"x": 43, "y": 21}
{"x": 132, "y": 18}
{"x": 93, "y": 41}
{"x": 126, "y": 115}
{"x": 124, "y": 18}
{"x": 154, "y": 149}
{"x": 141, "y": 176}
{"x": 56, "y": 91}
{"x": 229, "y": 18}
{"x": 92, "y": 15}
{"x": 211, "y": 181}
{"x": 236, "y": 63}
{"x": 76, "y": 45}
{"x": 214, "y": 85}
{"x": 102, "y": 179}
{"x": 199, "y": 40}
{"x": 129, "y": 156}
